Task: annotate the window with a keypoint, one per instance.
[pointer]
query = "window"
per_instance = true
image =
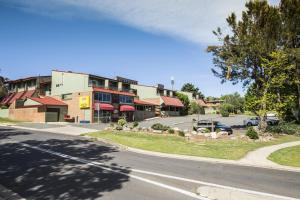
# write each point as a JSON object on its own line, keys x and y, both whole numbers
{"x": 104, "y": 116}
{"x": 126, "y": 99}
{"x": 66, "y": 96}
{"x": 102, "y": 97}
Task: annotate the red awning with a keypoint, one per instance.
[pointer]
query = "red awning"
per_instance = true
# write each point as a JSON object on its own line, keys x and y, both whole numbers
{"x": 103, "y": 106}
{"x": 124, "y": 108}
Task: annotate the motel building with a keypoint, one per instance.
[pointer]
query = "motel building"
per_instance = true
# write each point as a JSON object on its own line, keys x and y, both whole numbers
{"x": 164, "y": 100}
{"x": 67, "y": 96}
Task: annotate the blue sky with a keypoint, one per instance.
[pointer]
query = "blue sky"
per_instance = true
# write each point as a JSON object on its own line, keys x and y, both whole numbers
{"x": 146, "y": 42}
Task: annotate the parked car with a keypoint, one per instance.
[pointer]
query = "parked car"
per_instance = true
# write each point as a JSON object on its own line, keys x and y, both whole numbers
{"x": 206, "y": 124}
{"x": 254, "y": 121}
{"x": 272, "y": 120}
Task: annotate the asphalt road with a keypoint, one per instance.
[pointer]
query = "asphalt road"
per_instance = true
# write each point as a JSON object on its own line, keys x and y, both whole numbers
{"x": 39, "y": 165}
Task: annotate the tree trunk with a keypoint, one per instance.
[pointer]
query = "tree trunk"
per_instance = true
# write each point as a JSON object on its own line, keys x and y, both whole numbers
{"x": 263, "y": 123}
{"x": 298, "y": 110}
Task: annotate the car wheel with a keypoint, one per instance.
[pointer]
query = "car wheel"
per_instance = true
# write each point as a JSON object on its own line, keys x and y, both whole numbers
{"x": 249, "y": 124}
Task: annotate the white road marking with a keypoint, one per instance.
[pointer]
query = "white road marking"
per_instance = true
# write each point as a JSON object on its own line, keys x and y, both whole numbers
{"x": 214, "y": 185}
{"x": 96, "y": 164}
{"x": 104, "y": 166}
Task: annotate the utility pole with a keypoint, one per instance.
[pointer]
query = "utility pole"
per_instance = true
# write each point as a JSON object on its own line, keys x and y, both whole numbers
{"x": 98, "y": 110}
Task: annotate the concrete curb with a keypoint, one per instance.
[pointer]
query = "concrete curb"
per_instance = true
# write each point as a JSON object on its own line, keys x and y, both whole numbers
{"x": 195, "y": 158}
{"x": 7, "y": 194}
{"x": 49, "y": 130}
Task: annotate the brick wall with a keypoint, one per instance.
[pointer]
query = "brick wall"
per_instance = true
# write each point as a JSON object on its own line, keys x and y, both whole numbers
{"x": 33, "y": 114}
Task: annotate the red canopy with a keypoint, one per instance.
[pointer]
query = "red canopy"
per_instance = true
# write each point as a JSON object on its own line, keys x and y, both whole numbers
{"x": 103, "y": 106}
{"x": 126, "y": 108}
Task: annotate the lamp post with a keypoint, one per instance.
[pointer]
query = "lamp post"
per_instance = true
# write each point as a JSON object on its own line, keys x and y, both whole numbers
{"x": 172, "y": 82}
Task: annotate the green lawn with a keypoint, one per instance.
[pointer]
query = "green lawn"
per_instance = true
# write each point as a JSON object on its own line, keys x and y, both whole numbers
{"x": 224, "y": 149}
{"x": 6, "y": 120}
{"x": 289, "y": 156}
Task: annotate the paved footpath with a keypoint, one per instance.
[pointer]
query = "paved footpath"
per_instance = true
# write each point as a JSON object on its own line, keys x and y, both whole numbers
{"x": 260, "y": 156}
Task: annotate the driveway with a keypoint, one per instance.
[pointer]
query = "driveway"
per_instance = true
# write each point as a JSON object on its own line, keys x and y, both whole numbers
{"x": 41, "y": 165}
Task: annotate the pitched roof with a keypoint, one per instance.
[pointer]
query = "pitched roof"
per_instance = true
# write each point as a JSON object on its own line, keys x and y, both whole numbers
{"x": 48, "y": 101}
{"x": 201, "y": 102}
{"x": 140, "y": 102}
{"x": 96, "y": 89}
{"x": 17, "y": 95}
{"x": 153, "y": 101}
{"x": 28, "y": 93}
{"x": 171, "y": 101}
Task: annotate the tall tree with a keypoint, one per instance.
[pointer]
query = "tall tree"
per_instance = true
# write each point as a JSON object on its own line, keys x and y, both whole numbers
{"x": 278, "y": 85}
{"x": 290, "y": 14}
{"x": 3, "y": 89}
{"x": 235, "y": 99}
{"x": 189, "y": 87}
{"x": 240, "y": 56}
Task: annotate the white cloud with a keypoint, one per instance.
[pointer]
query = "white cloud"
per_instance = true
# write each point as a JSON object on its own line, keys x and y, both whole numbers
{"x": 192, "y": 20}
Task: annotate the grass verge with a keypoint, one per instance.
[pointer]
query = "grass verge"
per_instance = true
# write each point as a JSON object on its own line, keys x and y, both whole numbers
{"x": 289, "y": 156}
{"x": 223, "y": 149}
{"x": 7, "y": 120}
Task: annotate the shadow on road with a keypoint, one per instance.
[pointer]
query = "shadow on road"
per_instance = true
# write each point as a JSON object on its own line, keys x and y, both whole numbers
{"x": 7, "y": 133}
{"x": 39, "y": 175}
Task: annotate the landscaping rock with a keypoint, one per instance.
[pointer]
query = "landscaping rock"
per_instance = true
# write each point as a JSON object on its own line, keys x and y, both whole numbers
{"x": 157, "y": 131}
{"x": 223, "y": 133}
{"x": 194, "y": 132}
{"x": 126, "y": 129}
{"x": 176, "y": 129}
{"x": 213, "y": 135}
{"x": 188, "y": 135}
{"x": 207, "y": 134}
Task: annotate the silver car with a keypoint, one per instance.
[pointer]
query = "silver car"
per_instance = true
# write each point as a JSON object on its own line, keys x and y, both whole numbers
{"x": 253, "y": 121}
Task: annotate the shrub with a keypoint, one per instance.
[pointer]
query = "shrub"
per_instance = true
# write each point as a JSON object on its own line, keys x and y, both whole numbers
{"x": 224, "y": 113}
{"x": 122, "y": 122}
{"x": 135, "y": 124}
{"x": 285, "y": 128}
{"x": 4, "y": 107}
{"x": 225, "y": 109}
{"x": 181, "y": 133}
{"x": 171, "y": 131}
{"x": 195, "y": 108}
{"x": 251, "y": 133}
{"x": 159, "y": 126}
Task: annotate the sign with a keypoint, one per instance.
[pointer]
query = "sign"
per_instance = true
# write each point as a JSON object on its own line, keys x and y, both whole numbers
{"x": 126, "y": 80}
{"x": 84, "y": 102}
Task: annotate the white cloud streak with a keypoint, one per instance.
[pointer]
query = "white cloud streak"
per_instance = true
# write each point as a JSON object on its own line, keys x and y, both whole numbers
{"x": 192, "y": 20}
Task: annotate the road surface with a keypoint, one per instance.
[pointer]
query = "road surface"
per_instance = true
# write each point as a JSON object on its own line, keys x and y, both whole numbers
{"x": 40, "y": 165}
